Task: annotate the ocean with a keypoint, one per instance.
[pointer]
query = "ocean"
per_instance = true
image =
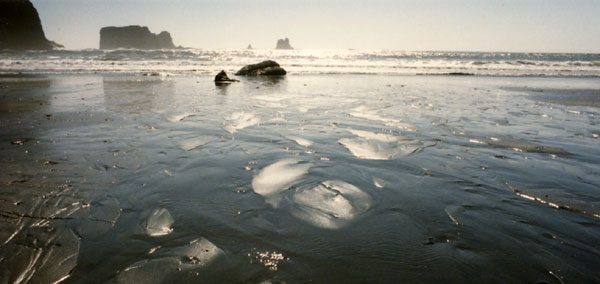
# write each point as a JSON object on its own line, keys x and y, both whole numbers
{"x": 380, "y": 62}
{"x": 132, "y": 166}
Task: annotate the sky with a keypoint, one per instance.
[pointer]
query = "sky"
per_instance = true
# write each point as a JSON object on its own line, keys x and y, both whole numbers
{"x": 412, "y": 25}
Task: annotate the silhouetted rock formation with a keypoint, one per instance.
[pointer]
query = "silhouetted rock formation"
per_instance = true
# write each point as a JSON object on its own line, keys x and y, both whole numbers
{"x": 265, "y": 68}
{"x": 249, "y": 46}
{"x": 21, "y": 28}
{"x": 134, "y": 37}
{"x": 284, "y": 44}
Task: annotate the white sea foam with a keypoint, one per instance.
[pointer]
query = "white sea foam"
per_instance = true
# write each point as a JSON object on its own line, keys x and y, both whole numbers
{"x": 331, "y": 204}
{"x": 303, "y": 109}
{"x": 240, "y": 120}
{"x": 306, "y": 61}
{"x": 277, "y": 177}
{"x": 193, "y": 143}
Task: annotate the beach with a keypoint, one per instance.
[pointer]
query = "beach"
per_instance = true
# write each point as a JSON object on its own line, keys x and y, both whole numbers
{"x": 128, "y": 178}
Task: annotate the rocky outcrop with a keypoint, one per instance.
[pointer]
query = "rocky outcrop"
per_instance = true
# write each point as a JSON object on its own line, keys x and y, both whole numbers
{"x": 265, "y": 68}
{"x": 284, "y": 44}
{"x": 223, "y": 79}
{"x": 134, "y": 37}
{"x": 21, "y": 27}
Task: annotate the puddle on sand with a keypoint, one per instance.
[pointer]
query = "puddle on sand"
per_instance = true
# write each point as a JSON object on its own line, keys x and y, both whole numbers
{"x": 277, "y": 177}
{"x": 331, "y": 204}
{"x": 379, "y": 146}
{"x": 159, "y": 223}
{"x": 300, "y": 141}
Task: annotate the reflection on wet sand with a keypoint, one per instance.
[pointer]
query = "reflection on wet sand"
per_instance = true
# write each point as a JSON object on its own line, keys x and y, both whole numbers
{"x": 136, "y": 95}
{"x": 19, "y": 95}
{"x": 269, "y": 84}
{"x": 567, "y": 97}
{"x": 36, "y": 245}
{"x": 49, "y": 192}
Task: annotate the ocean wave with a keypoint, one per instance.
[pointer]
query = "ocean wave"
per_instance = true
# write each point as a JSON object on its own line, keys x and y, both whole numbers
{"x": 376, "y": 62}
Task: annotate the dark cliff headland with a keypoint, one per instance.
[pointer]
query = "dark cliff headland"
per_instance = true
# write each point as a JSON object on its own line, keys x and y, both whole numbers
{"x": 21, "y": 27}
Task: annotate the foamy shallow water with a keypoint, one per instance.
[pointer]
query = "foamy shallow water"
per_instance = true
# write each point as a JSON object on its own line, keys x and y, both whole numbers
{"x": 323, "y": 178}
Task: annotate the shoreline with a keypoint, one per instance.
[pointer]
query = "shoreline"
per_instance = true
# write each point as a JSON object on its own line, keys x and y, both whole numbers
{"x": 169, "y": 73}
{"x": 565, "y": 95}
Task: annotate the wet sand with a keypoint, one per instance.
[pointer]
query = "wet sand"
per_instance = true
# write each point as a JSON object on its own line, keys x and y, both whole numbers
{"x": 134, "y": 179}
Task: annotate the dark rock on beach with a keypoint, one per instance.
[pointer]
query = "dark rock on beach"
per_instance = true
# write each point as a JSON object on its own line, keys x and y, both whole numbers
{"x": 21, "y": 27}
{"x": 265, "y": 68}
{"x": 222, "y": 78}
{"x": 284, "y": 44}
{"x": 134, "y": 37}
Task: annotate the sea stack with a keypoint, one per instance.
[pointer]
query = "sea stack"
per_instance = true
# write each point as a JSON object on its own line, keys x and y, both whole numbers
{"x": 284, "y": 44}
{"x": 21, "y": 27}
{"x": 265, "y": 68}
{"x": 249, "y": 46}
{"x": 134, "y": 37}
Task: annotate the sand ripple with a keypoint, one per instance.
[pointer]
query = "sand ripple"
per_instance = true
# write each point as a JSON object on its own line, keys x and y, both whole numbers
{"x": 518, "y": 145}
{"x": 180, "y": 116}
{"x": 366, "y": 113}
{"x": 193, "y": 143}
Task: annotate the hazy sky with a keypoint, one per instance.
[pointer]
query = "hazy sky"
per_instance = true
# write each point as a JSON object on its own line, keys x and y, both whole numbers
{"x": 466, "y": 25}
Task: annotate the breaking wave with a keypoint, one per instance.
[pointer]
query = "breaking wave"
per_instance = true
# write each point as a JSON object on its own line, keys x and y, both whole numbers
{"x": 201, "y": 61}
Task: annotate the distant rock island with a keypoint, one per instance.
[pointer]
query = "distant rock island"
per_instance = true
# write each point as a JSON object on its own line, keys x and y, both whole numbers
{"x": 284, "y": 44}
{"x": 134, "y": 37}
{"x": 21, "y": 27}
